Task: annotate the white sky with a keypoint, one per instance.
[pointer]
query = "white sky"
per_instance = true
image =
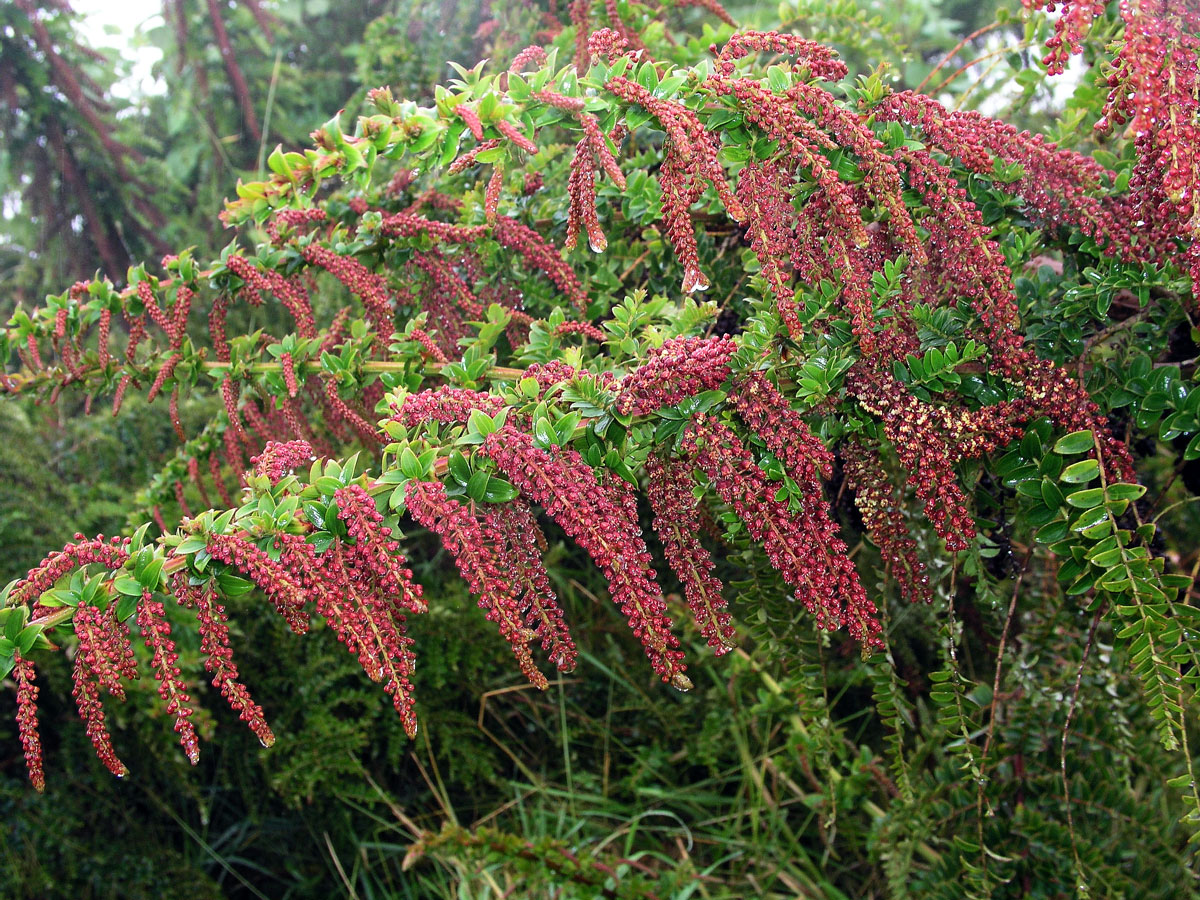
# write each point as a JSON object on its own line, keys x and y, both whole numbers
{"x": 114, "y": 23}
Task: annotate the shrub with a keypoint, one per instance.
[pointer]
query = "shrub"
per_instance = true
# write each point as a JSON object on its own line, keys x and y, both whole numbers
{"x": 797, "y": 290}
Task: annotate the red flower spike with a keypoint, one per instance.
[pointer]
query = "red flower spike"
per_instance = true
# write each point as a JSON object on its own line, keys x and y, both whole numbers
{"x": 119, "y": 393}
{"x": 288, "y": 368}
{"x": 598, "y": 520}
{"x": 322, "y": 577}
{"x": 370, "y": 287}
{"x": 106, "y": 649}
{"x": 520, "y": 554}
{"x": 87, "y": 699}
{"x": 448, "y": 405}
{"x": 581, "y": 200}
{"x": 27, "y": 728}
{"x": 680, "y": 368}
{"x": 808, "y": 556}
{"x": 173, "y": 415}
{"x": 820, "y": 61}
{"x": 542, "y": 256}
{"x": 589, "y": 331}
{"x": 916, "y": 435}
{"x": 560, "y": 101}
{"x": 514, "y": 135}
{"x": 599, "y": 145}
{"x": 464, "y": 162}
{"x": 375, "y": 552}
{"x": 771, "y": 225}
{"x": 272, "y": 577}
{"x": 156, "y": 630}
{"x": 535, "y": 55}
{"x": 678, "y": 525}
{"x": 807, "y": 462}
{"x": 218, "y": 654}
{"x": 278, "y": 459}
{"x": 42, "y": 577}
{"x": 471, "y": 541}
{"x": 765, "y": 410}
{"x": 879, "y": 503}
{"x": 471, "y": 117}
{"x": 288, "y": 291}
{"x": 491, "y": 196}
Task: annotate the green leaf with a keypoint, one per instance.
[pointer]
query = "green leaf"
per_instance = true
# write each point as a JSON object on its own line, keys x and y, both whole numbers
{"x": 234, "y": 585}
{"x": 315, "y": 513}
{"x": 409, "y": 464}
{"x": 126, "y": 607}
{"x": 25, "y": 640}
{"x": 190, "y": 545}
{"x": 1089, "y": 519}
{"x": 544, "y": 432}
{"x": 480, "y": 422}
{"x": 1124, "y": 491}
{"x": 1080, "y": 472}
{"x": 1087, "y": 499}
{"x": 498, "y": 490}
{"x": 14, "y": 622}
{"x": 1052, "y": 496}
{"x": 459, "y": 468}
{"x": 1048, "y": 534}
{"x": 127, "y": 585}
{"x": 1075, "y": 442}
{"x": 320, "y": 540}
{"x": 477, "y": 486}
{"x": 327, "y": 484}
{"x": 152, "y": 573}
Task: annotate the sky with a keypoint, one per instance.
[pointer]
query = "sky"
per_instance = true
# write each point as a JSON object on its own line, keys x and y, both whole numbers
{"x": 114, "y": 23}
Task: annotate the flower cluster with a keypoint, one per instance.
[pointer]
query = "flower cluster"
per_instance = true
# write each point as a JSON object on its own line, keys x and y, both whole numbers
{"x": 110, "y": 554}
{"x": 771, "y": 226}
{"x": 1059, "y": 185}
{"x": 541, "y": 256}
{"x": 595, "y": 517}
{"x": 677, "y": 522}
{"x": 278, "y": 459}
{"x": 924, "y": 451}
{"x": 368, "y": 286}
{"x": 448, "y": 405}
{"x": 521, "y": 549}
{"x": 31, "y": 742}
{"x": 290, "y": 293}
{"x": 213, "y": 625}
{"x": 759, "y": 403}
{"x": 796, "y": 546}
{"x": 879, "y": 504}
{"x": 272, "y": 577}
{"x": 371, "y": 626}
{"x": 374, "y": 554}
{"x": 689, "y": 162}
{"x": 680, "y": 368}
{"x": 474, "y": 543}
{"x": 156, "y": 631}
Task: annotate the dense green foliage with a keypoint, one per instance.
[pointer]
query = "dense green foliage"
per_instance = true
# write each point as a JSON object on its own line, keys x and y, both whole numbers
{"x": 1026, "y": 732}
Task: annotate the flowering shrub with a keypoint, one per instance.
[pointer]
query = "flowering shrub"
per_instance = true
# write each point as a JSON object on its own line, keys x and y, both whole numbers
{"x": 879, "y": 326}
